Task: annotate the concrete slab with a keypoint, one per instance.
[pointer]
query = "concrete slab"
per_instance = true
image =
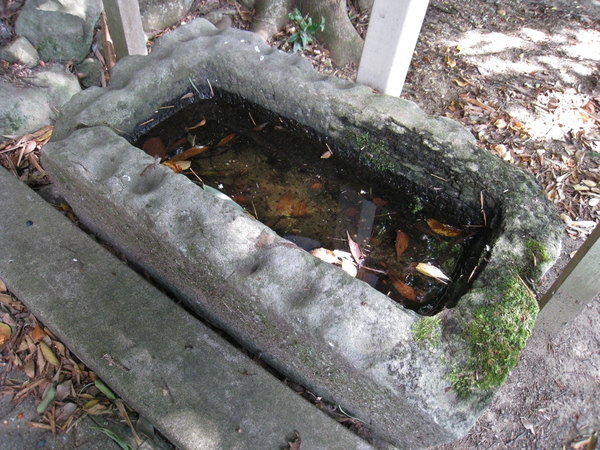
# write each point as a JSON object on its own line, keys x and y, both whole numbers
{"x": 197, "y": 389}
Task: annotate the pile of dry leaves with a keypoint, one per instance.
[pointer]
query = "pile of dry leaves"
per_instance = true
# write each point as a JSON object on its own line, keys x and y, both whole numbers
{"x": 64, "y": 389}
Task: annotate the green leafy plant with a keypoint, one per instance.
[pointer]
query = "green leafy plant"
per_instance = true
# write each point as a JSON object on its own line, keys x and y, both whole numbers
{"x": 305, "y": 30}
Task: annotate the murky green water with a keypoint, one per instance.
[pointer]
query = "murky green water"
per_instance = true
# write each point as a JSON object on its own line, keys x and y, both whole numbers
{"x": 287, "y": 178}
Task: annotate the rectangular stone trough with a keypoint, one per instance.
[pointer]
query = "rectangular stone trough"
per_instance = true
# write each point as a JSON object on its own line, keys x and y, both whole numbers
{"x": 415, "y": 381}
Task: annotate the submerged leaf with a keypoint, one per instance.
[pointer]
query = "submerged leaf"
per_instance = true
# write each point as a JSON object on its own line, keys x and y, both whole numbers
{"x": 403, "y": 289}
{"x": 401, "y": 243}
{"x": 190, "y": 153}
{"x": 432, "y": 271}
{"x": 226, "y": 139}
{"x": 198, "y": 125}
{"x": 443, "y": 229}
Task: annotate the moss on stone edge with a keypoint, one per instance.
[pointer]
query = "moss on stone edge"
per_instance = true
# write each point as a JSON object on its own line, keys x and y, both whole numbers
{"x": 426, "y": 332}
{"x": 535, "y": 258}
{"x": 374, "y": 153}
{"x": 495, "y": 335}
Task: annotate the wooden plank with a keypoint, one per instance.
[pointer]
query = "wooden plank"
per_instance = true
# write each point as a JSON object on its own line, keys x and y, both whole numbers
{"x": 125, "y": 26}
{"x": 578, "y": 285}
{"x": 393, "y": 31}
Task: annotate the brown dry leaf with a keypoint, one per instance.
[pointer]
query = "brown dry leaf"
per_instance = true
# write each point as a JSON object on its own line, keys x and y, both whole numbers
{"x": 5, "y": 333}
{"x": 49, "y": 354}
{"x": 325, "y": 255}
{"x": 198, "y": 125}
{"x": 2, "y": 286}
{"x": 65, "y": 411}
{"x": 443, "y": 229}
{"x": 316, "y": 186}
{"x": 296, "y": 443}
{"x": 462, "y": 82}
{"x": 189, "y": 153}
{"x": 450, "y": 62}
{"x": 29, "y": 369}
{"x": 401, "y": 243}
{"x": 403, "y": 289}
{"x": 226, "y": 139}
{"x": 379, "y": 202}
{"x": 38, "y": 333}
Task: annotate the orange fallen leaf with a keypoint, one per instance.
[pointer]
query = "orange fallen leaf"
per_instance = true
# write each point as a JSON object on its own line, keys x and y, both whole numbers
{"x": 5, "y": 333}
{"x": 173, "y": 166}
{"x": 401, "y": 243}
{"x": 190, "y": 153}
{"x": 316, "y": 186}
{"x": 226, "y": 139}
{"x": 38, "y": 333}
{"x": 403, "y": 289}
{"x": 443, "y": 229}
{"x": 239, "y": 199}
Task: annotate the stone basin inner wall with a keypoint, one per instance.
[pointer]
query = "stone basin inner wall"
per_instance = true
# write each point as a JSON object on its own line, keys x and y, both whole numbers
{"x": 324, "y": 329}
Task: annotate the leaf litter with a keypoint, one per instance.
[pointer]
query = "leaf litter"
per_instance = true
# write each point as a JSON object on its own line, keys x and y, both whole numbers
{"x": 64, "y": 389}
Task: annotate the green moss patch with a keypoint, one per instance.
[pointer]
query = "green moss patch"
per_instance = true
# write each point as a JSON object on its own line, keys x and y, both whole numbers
{"x": 427, "y": 332}
{"x": 535, "y": 258}
{"x": 495, "y": 335}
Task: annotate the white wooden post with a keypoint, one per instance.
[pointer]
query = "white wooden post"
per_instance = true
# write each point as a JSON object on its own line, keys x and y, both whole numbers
{"x": 578, "y": 285}
{"x": 393, "y": 31}
{"x": 125, "y": 27}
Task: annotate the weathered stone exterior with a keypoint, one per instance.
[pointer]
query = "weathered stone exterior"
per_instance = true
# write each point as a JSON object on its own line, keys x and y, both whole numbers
{"x": 326, "y": 330}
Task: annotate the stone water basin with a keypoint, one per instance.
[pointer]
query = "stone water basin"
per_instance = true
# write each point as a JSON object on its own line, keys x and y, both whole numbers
{"x": 415, "y": 381}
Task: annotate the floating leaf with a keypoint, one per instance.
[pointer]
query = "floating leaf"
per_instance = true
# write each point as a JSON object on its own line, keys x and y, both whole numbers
{"x": 198, "y": 125}
{"x": 226, "y": 139}
{"x": 355, "y": 250}
{"x": 443, "y": 229}
{"x": 5, "y": 333}
{"x": 49, "y": 354}
{"x": 325, "y": 255}
{"x": 328, "y": 154}
{"x": 403, "y": 289}
{"x": 349, "y": 268}
{"x": 189, "y": 153}
{"x": 104, "y": 389}
{"x": 316, "y": 186}
{"x": 173, "y": 166}
{"x": 48, "y": 397}
{"x": 401, "y": 243}
{"x": 432, "y": 271}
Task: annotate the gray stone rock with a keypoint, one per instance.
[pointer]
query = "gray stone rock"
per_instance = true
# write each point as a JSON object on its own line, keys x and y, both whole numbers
{"x": 60, "y": 30}
{"x": 330, "y": 332}
{"x": 159, "y": 14}
{"x": 25, "y": 109}
{"x": 20, "y": 51}
{"x": 89, "y": 71}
